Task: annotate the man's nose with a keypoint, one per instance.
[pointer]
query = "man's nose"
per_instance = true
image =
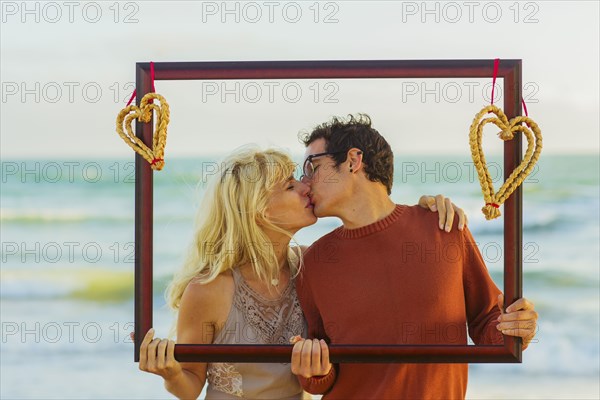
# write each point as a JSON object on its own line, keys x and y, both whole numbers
{"x": 304, "y": 179}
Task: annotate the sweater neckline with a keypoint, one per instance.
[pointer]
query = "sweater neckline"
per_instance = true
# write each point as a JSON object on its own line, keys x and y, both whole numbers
{"x": 371, "y": 228}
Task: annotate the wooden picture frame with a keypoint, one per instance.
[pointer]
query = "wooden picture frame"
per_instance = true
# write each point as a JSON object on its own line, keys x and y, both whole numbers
{"x": 509, "y": 71}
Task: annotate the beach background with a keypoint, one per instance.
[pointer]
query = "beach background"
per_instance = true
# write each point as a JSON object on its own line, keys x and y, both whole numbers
{"x": 67, "y": 179}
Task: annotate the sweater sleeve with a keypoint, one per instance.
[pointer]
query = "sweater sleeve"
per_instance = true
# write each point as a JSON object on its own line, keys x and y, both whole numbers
{"x": 315, "y": 384}
{"x": 319, "y": 384}
{"x": 481, "y": 295}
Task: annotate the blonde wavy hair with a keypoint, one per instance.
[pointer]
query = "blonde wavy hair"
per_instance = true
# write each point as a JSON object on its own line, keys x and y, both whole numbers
{"x": 231, "y": 220}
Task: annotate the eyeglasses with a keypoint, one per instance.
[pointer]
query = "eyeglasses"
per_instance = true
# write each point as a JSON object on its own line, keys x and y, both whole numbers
{"x": 308, "y": 169}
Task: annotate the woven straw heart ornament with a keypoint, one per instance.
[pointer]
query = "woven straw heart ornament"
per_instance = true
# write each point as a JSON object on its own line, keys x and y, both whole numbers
{"x": 143, "y": 113}
{"x": 508, "y": 129}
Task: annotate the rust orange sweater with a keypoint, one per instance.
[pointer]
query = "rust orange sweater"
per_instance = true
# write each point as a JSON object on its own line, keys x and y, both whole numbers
{"x": 400, "y": 280}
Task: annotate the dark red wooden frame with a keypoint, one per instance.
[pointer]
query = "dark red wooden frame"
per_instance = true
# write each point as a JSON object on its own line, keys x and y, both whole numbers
{"x": 509, "y": 70}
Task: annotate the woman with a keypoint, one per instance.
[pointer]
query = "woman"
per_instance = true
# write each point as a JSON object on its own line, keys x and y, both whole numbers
{"x": 236, "y": 286}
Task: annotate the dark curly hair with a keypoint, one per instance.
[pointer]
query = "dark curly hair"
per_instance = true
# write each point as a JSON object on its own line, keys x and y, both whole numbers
{"x": 342, "y": 135}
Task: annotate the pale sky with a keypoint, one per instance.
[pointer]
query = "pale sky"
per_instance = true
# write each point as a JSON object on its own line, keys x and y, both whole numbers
{"x": 66, "y": 69}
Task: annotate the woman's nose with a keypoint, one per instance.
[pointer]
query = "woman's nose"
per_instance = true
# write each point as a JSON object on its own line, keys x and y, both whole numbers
{"x": 304, "y": 187}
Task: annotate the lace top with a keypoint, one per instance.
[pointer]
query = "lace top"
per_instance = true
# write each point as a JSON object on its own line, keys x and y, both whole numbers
{"x": 254, "y": 319}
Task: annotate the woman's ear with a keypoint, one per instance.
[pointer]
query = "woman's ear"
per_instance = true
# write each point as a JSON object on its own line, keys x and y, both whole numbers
{"x": 262, "y": 218}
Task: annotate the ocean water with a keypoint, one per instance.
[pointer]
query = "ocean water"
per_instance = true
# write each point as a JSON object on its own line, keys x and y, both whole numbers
{"x": 66, "y": 281}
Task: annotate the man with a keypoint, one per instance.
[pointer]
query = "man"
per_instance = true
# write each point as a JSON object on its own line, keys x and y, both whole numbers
{"x": 387, "y": 277}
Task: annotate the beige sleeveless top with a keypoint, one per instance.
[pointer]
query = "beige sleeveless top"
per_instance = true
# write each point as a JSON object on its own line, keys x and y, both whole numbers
{"x": 254, "y": 319}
